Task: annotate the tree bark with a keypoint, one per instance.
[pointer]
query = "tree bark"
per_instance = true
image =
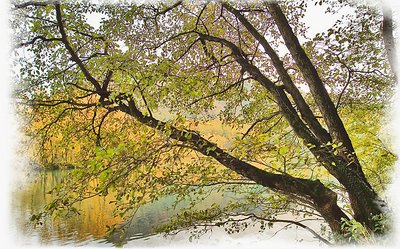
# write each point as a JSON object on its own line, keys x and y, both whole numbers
{"x": 347, "y": 169}
{"x": 312, "y": 192}
{"x": 310, "y": 74}
{"x": 303, "y": 107}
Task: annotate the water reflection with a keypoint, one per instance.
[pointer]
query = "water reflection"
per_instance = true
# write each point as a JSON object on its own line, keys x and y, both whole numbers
{"x": 91, "y": 225}
{"x": 96, "y": 215}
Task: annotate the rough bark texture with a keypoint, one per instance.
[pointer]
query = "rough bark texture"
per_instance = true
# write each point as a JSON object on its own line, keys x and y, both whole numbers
{"x": 310, "y": 74}
{"x": 364, "y": 201}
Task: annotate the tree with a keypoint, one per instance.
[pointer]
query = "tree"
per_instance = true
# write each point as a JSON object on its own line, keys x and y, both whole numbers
{"x": 137, "y": 89}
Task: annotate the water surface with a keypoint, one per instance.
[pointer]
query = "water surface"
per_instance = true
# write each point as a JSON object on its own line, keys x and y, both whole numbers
{"x": 96, "y": 215}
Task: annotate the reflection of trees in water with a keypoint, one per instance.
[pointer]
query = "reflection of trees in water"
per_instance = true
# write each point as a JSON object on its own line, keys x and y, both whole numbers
{"x": 30, "y": 199}
{"x": 96, "y": 213}
{"x": 145, "y": 221}
{"x": 153, "y": 215}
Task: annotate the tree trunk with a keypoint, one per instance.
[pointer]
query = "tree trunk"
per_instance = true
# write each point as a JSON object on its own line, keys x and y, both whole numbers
{"x": 345, "y": 166}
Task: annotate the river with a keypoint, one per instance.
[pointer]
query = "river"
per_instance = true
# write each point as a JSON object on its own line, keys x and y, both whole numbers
{"x": 95, "y": 215}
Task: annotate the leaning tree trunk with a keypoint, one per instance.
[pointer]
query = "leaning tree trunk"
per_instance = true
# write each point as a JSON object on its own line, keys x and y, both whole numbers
{"x": 344, "y": 166}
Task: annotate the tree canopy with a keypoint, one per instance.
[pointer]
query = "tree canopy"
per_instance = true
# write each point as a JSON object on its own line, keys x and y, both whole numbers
{"x": 181, "y": 98}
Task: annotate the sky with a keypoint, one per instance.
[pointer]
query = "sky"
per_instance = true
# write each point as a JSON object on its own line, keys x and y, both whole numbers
{"x": 9, "y": 135}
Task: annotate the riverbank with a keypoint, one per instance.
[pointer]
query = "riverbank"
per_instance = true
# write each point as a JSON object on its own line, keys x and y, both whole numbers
{"x": 59, "y": 166}
{"x": 53, "y": 166}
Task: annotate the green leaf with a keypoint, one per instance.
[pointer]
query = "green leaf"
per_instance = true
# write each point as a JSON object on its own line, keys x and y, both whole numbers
{"x": 283, "y": 150}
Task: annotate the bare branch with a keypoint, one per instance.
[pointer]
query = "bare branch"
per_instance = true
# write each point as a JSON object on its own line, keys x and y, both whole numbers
{"x": 173, "y": 37}
{"x": 98, "y": 132}
{"x": 297, "y": 223}
{"x": 93, "y": 36}
{"x": 206, "y": 52}
{"x": 348, "y": 81}
{"x": 259, "y": 121}
{"x": 252, "y": 216}
{"x": 41, "y": 19}
{"x": 220, "y": 92}
{"x": 81, "y": 88}
{"x": 200, "y": 20}
{"x": 317, "y": 88}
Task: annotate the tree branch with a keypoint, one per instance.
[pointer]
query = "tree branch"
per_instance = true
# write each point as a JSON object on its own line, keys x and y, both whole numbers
{"x": 277, "y": 92}
{"x": 252, "y": 216}
{"x": 220, "y": 92}
{"x": 98, "y": 133}
{"x": 169, "y": 8}
{"x": 297, "y": 223}
{"x": 317, "y": 88}
{"x": 323, "y": 199}
{"x": 186, "y": 50}
{"x": 304, "y": 108}
{"x": 107, "y": 81}
{"x": 259, "y": 121}
{"x": 52, "y": 103}
{"x": 34, "y": 3}
{"x": 40, "y": 37}
{"x": 348, "y": 81}
{"x": 239, "y": 182}
{"x": 71, "y": 51}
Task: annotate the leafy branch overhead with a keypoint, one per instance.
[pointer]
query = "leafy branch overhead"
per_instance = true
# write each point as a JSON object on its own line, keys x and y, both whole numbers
{"x": 167, "y": 99}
